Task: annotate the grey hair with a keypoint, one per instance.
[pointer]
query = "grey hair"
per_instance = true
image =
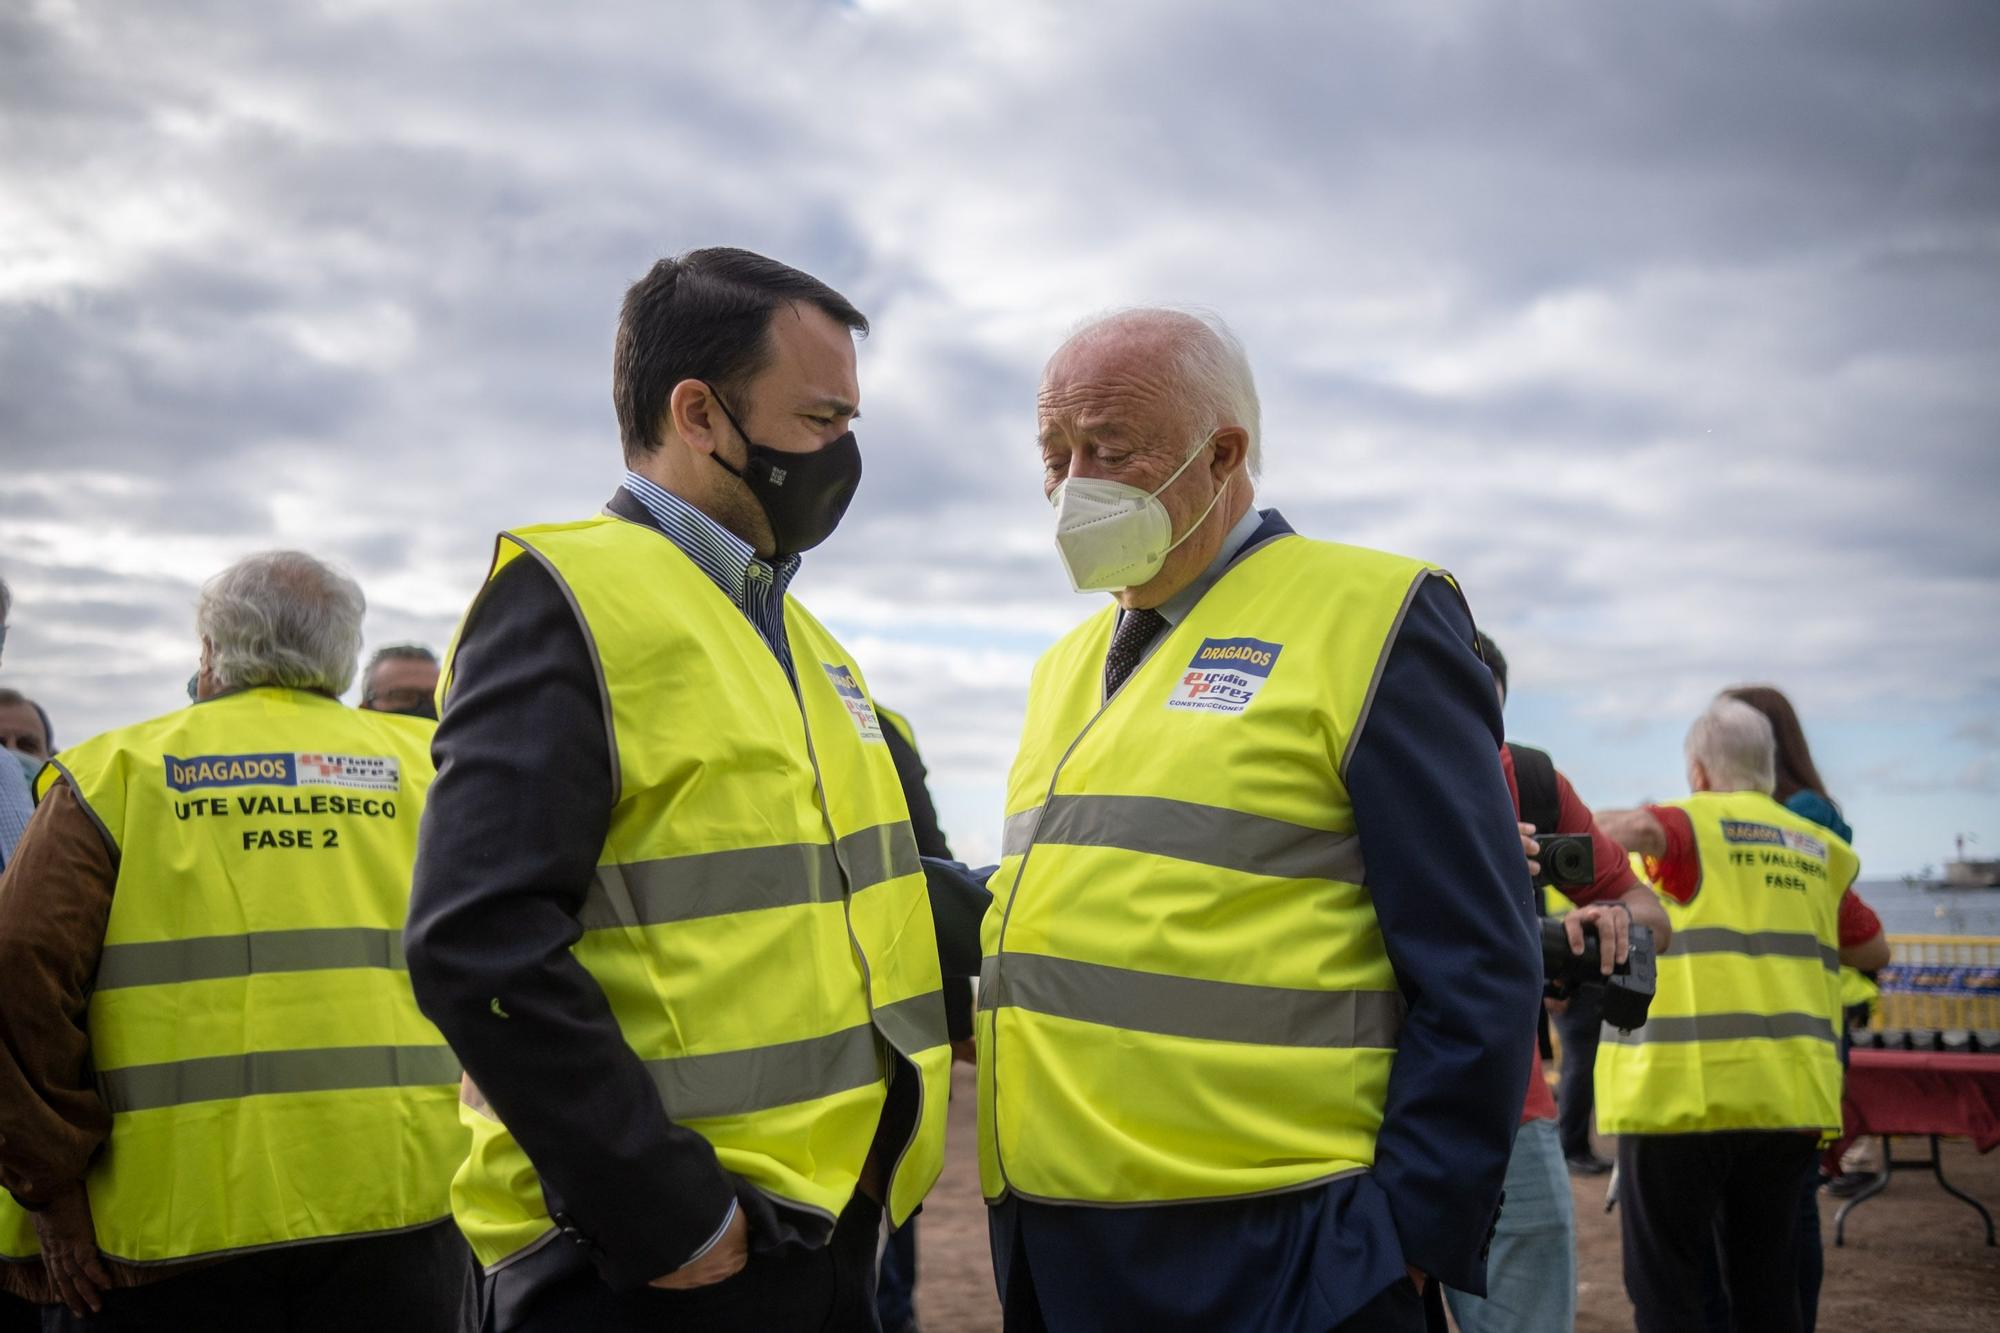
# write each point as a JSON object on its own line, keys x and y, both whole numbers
{"x": 394, "y": 652}
{"x": 282, "y": 618}
{"x": 1211, "y": 370}
{"x": 6, "y": 601}
{"x": 1735, "y": 744}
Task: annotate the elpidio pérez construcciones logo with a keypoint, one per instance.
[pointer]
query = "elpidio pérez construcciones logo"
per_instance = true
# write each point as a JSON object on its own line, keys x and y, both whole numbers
{"x": 363, "y": 772}
{"x": 1224, "y": 675}
{"x": 851, "y": 694}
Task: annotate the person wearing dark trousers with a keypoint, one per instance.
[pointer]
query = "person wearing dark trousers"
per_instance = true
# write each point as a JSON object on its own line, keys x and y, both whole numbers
{"x": 1800, "y": 789}
{"x": 668, "y": 908}
{"x": 1719, "y": 1099}
{"x": 1683, "y": 1194}
{"x": 896, "y": 1281}
{"x": 419, "y": 1280}
{"x": 1258, "y": 1000}
{"x": 219, "y": 1106}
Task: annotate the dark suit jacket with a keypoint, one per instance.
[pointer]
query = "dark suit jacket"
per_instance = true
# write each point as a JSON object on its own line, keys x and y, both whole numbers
{"x": 511, "y": 835}
{"x": 1451, "y": 890}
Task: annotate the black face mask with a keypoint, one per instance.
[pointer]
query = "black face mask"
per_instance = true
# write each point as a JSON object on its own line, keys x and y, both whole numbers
{"x": 803, "y": 495}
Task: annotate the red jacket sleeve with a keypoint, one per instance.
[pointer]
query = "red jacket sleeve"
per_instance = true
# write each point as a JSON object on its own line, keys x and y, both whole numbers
{"x": 1614, "y": 869}
{"x": 1858, "y": 922}
{"x": 1678, "y": 872}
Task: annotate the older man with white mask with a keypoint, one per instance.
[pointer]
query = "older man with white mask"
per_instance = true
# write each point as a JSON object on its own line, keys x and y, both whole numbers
{"x": 1258, "y": 984}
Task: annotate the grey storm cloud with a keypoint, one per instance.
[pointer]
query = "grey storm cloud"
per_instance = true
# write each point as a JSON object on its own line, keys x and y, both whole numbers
{"x": 1584, "y": 301}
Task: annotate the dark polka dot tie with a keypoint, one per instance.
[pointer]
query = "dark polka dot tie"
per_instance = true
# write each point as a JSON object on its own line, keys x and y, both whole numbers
{"x": 1135, "y": 630}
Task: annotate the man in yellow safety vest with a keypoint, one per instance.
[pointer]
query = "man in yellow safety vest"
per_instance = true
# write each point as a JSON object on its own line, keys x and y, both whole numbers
{"x": 1259, "y": 986}
{"x": 668, "y": 906}
{"x": 211, "y": 1066}
{"x": 1720, "y": 1100}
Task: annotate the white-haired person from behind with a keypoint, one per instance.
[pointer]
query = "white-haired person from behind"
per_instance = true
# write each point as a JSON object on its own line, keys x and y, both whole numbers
{"x": 212, "y": 1069}
{"x": 1720, "y": 1099}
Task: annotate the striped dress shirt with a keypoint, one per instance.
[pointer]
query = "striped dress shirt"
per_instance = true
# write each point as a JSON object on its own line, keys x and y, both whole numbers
{"x": 753, "y": 585}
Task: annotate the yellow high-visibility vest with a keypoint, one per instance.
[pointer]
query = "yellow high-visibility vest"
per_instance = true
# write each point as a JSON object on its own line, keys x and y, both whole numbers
{"x": 900, "y": 723}
{"x": 252, "y": 1030}
{"x": 759, "y": 921}
{"x": 1185, "y": 993}
{"x": 1857, "y": 989}
{"x": 1744, "y": 1029}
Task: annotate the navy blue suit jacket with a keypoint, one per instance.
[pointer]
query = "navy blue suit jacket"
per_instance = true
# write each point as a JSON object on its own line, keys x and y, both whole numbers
{"x": 1452, "y": 892}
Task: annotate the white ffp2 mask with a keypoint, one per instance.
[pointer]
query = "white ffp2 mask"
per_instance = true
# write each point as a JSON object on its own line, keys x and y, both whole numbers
{"x": 1111, "y": 535}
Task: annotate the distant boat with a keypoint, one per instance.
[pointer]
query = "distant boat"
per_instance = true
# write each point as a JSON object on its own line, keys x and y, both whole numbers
{"x": 1966, "y": 873}
{"x": 1972, "y": 874}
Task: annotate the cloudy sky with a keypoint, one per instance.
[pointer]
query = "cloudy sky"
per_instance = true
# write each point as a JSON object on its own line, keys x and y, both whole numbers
{"x": 1673, "y": 330}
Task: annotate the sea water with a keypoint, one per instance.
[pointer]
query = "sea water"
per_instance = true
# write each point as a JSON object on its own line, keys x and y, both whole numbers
{"x": 1912, "y": 909}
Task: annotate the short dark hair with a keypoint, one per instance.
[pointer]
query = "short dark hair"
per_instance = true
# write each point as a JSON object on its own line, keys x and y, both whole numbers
{"x": 395, "y": 652}
{"x": 703, "y": 315}
{"x": 8, "y": 696}
{"x": 1490, "y": 653}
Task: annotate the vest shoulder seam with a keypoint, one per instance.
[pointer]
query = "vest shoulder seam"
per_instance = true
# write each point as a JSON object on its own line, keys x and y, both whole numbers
{"x": 1423, "y": 576}
{"x": 590, "y": 646}
{"x": 103, "y": 830}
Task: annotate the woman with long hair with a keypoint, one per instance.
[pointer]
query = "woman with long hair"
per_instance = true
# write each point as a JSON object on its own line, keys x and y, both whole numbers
{"x": 1800, "y": 788}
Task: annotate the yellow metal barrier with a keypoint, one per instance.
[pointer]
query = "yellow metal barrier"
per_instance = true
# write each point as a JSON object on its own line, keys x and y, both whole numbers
{"x": 1941, "y": 981}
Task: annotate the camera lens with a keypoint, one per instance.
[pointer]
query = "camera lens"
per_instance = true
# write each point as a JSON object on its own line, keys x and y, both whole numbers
{"x": 1570, "y": 864}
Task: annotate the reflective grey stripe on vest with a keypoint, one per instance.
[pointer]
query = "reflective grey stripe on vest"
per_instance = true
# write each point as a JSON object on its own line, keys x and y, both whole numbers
{"x": 163, "y": 962}
{"x": 1755, "y": 943}
{"x": 875, "y": 855}
{"x": 915, "y": 1024}
{"x": 229, "y": 1077}
{"x": 1725, "y": 1027}
{"x": 1186, "y": 831}
{"x": 1189, "y": 1007}
{"x": 739, "y": 1082}
{"x": 703, "y": 884}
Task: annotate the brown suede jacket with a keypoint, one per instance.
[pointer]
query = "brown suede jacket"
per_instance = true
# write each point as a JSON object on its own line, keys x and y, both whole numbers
{"x": 55, "y": 899}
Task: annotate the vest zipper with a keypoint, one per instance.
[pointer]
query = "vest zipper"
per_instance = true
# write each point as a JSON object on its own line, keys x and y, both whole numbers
{"x": 1007, "y": 912}
{"x": 854, "y": 943}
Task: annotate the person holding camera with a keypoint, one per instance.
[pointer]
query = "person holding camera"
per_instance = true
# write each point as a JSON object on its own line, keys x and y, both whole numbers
{"x": 1531, "y": 1272}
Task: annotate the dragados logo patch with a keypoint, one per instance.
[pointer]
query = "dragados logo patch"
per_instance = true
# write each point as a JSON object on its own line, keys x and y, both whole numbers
{"x": 1224, "y": 675}
{"x": 364, "y": 772}
{"x": 1742, "y": 830}
{"x": 851, "y": 694}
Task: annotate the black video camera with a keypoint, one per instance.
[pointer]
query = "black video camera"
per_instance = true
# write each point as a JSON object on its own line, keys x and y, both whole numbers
{"x": 1626, "y": 994}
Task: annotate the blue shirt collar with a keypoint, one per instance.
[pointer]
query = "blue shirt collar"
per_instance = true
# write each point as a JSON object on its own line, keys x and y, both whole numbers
{"x": 726, "y": 558}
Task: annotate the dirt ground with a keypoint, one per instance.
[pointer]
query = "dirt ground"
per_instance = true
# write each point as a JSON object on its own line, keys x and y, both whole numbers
{"x": 1915, "y": 1257}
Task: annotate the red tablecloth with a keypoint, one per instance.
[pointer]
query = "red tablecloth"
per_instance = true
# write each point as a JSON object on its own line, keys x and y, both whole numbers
{"x": 1921, "y": 1092}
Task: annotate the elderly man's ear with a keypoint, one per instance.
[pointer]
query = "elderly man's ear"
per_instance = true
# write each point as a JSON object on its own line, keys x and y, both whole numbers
{"x": 1231, "y": 443}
